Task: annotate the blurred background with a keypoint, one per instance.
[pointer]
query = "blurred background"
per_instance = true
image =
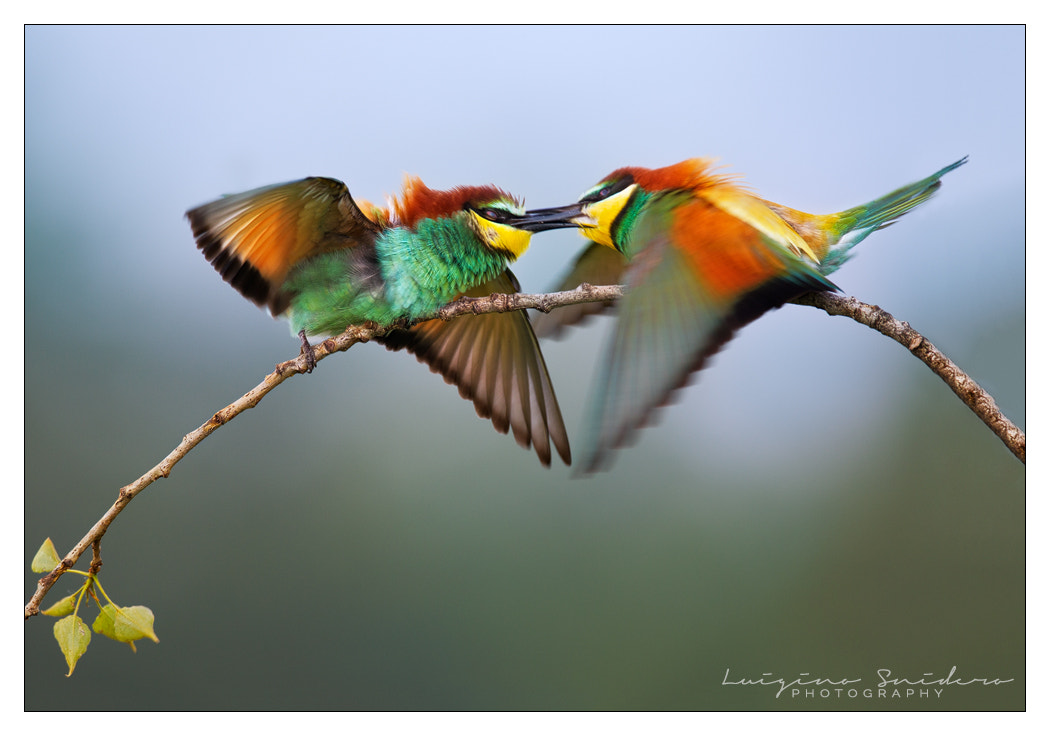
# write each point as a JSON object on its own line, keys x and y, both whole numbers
{"x": 816, "y": 502}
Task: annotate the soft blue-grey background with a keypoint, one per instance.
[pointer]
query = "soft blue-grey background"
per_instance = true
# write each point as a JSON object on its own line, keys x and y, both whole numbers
{"x": 817, "y": 502}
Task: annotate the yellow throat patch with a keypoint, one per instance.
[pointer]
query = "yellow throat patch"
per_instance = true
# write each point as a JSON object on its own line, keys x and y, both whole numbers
{"x": 598, "y": 217}
{"x": 498, "y": 236}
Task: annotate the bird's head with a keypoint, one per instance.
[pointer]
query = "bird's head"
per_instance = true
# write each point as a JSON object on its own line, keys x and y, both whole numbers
{"x": 598, "y": 212}
{"x": 605, "y": 207}
{"x": 497, "y": 218}
{"x": 608, "y": 210}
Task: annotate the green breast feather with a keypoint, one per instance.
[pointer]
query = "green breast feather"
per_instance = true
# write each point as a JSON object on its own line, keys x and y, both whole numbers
{"x": 409, "y": 274}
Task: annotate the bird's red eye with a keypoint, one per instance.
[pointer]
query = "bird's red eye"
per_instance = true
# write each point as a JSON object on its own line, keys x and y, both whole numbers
{"x": 606, "y": 190}
{"x": 492, "y": 214}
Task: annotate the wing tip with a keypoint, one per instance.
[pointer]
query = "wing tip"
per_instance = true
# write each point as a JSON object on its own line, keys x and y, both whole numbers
{"x": 549, "y": 428}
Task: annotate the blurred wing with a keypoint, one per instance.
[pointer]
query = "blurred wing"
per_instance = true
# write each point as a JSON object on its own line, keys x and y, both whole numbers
{"x": 496, "y": 362}
{"x": 254, "y": 238}
{"x": 597, "y": 265}
{"x": 698, "y": 275}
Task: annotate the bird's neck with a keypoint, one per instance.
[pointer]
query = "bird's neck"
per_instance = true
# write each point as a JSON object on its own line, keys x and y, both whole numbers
{"x": 624, "y": 226}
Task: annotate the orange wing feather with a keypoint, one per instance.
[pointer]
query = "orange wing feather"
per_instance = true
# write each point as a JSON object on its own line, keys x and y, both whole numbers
{"x": 254, "y": 238}
{"x": 726, "y": 254}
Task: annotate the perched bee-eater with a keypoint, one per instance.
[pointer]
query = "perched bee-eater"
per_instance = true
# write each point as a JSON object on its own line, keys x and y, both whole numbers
{"x": 308, "y": 251}
{"x": 700, "y": 257}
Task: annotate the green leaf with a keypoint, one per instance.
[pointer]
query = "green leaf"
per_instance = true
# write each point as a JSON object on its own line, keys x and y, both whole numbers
{"x": 125, "y": 624}
{"x": 104, "y": 621}
{"x": 64, "y": 607}
{"x": 135, "y": 622}
{"x": 46, "y": 558}
{"x": 73, "y": 638}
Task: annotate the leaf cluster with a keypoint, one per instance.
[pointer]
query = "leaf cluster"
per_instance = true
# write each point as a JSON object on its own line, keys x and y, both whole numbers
{"x": 120, "y": 623}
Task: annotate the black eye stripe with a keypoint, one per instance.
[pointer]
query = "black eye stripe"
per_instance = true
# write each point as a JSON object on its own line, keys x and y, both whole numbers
{"x": 608, "y": 190}
{"x": 492, "y": 214}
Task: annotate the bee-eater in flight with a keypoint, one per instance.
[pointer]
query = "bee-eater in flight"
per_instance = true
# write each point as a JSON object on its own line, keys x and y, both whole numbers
{"x": 309, "y": 252}
{"x": 700, "y": 257}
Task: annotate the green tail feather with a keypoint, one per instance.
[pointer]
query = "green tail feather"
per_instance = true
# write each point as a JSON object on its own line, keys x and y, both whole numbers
{"x": 857, "y": 223}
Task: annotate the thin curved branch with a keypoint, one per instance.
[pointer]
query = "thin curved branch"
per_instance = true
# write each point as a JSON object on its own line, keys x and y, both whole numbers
{"x": 352, "y": 335}
{"x": 973, "y": 395}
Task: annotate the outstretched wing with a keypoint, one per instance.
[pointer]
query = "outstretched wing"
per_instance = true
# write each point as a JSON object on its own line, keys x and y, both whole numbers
{"x": 597, "y": 265}
{"x": 697, "y": 274}
{"x": 254, "y": 238}
{"x": 496, "y": 362}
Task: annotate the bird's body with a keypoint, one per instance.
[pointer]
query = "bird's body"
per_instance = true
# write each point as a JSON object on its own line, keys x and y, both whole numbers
{"x": 700, "y": 256}
{"x": 408, "y": 274}
{"x": 311, "y": 253}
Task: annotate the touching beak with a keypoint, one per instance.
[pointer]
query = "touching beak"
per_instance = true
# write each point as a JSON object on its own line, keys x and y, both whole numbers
{"x": 553, "y": 218}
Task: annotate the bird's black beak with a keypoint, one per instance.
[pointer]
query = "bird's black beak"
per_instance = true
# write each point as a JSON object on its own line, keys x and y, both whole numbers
{"x": 552, "y": 218}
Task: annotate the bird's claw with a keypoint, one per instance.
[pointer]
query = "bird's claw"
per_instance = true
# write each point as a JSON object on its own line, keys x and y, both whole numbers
{"x": 307, "y": 351}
